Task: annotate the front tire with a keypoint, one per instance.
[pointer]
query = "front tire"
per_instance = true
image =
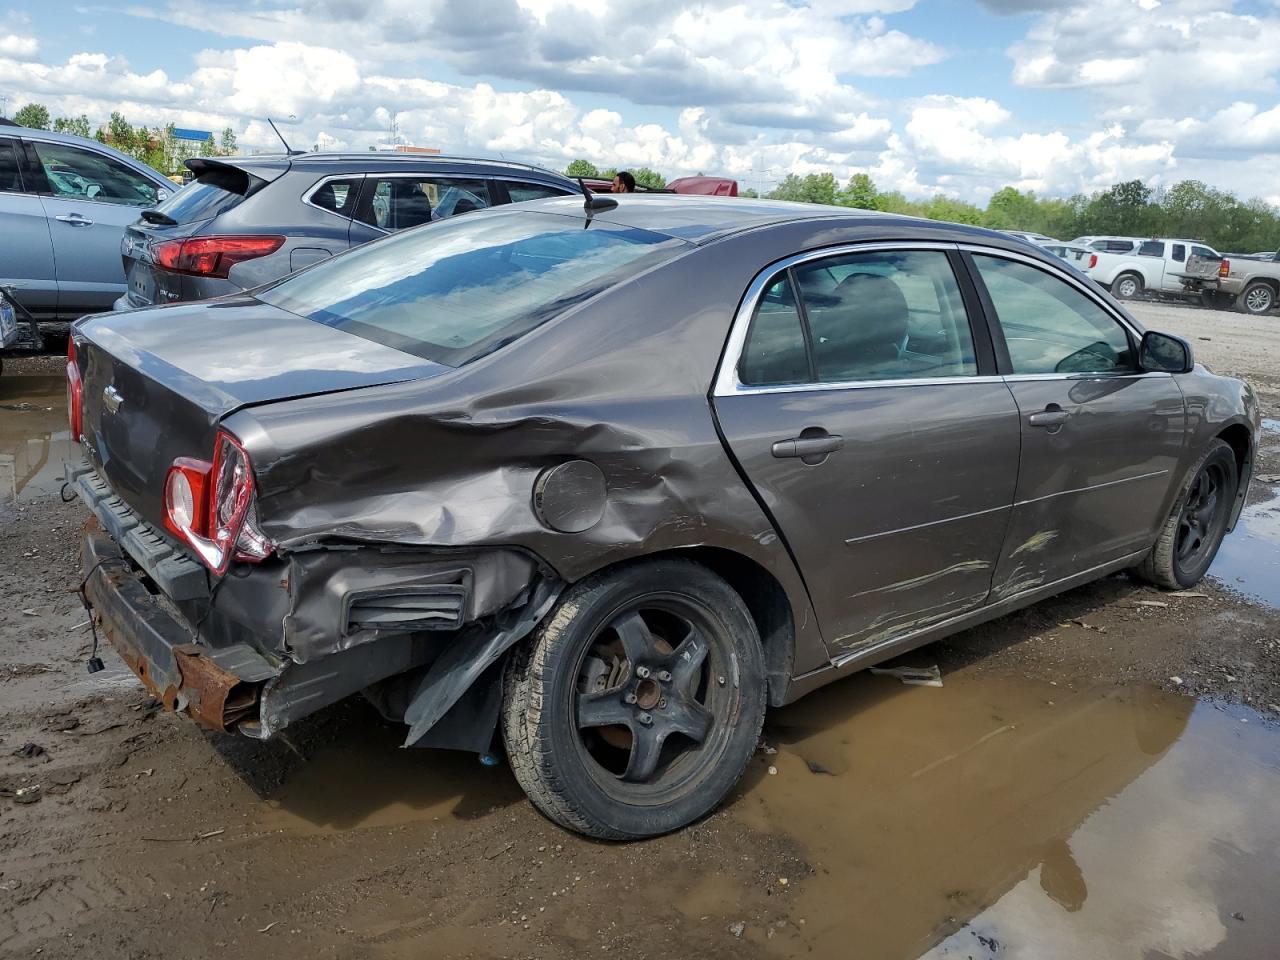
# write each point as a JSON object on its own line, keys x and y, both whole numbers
{"x": 1126, "y": 286}
{"x": 1257, "y": 299}
{"x": 638, "y": 703}
{"x": 1191, "y": 536}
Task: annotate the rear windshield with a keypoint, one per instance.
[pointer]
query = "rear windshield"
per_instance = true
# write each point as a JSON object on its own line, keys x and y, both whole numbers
{"x": 457, "y": 289}
{"x": 211, "y": 193}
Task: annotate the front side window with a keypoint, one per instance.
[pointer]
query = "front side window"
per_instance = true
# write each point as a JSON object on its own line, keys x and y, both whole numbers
{"x": 398, "y": 203}
{"x": 77, "y": 174}
{"x": 1049, "y": 325}
{"x": 1204, "y": 252}
{"x": 467, "y": 287}
{"x": 889, "y": 315}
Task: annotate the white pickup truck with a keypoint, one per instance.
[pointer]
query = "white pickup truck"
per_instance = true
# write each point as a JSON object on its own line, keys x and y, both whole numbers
{"x": 1158, "y": 266}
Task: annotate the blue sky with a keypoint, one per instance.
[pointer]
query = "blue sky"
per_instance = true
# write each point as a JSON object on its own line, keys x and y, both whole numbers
{"x": 954, "y": 96}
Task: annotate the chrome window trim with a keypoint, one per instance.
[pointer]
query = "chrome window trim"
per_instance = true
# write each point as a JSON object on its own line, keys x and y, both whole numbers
{"x": 728, "y": 384}
{"x": 1054, "y": 271}
{"x": 311, "y": 192}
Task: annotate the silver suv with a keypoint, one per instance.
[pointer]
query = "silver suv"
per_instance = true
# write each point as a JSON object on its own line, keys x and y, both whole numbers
{"x": 246, "y": 220}
{"x": 65, "y": 202}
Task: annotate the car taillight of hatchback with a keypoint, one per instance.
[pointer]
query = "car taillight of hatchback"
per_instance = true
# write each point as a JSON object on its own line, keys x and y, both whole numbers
{"x": 213, "y": 256}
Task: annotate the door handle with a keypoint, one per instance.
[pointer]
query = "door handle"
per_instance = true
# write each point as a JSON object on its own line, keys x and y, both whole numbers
{"x": 1052, "y": 416}
{"x": 75, "y": 220}
{"x": 807, "y": 448}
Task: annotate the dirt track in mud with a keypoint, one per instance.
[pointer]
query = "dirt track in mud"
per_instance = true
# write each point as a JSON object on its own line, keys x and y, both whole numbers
{"x": 1062, "y": 795}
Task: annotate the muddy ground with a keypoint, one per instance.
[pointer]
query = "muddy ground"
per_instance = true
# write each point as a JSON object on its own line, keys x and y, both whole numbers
{"x": 1098, "y": 776}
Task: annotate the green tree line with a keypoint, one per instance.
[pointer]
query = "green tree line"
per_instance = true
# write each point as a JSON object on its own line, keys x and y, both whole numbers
{"x": 158, "y": 147}
{"x": 1189, "y": 209}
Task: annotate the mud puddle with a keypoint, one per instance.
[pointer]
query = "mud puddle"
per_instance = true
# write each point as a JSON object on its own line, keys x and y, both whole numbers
{"x": 998, "y": 817}
{"x": 1248, "y": 561}
{"x": 34, "y": 438}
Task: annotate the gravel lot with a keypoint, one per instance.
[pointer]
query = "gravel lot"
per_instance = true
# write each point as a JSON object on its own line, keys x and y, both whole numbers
{"x": 1099, "y": 776}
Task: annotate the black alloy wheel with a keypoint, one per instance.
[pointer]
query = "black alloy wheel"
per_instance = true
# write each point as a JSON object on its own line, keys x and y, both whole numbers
{"x": 637, "y": 704}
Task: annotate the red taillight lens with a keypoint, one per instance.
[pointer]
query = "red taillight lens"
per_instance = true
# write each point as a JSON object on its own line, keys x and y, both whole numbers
{"x": 1224, "y": 268}
{"x": 211, "y": 506}
{"x": 186, "y": 497}
{"x": 1093, "y": 260}
{"x": 212, "y": 256}
{"x": 75, "y": 392}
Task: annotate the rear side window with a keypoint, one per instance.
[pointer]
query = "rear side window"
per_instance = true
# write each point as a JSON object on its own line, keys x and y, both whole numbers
{"x": 213, "y": 192}
{"x": 1119, "y": 246}
{"x": 467, "y": 287}
{"x": 873, "y": 316}
{"x": 1049, "y": 326}
{"x": 337, "y": 196}
{"x": 1179, "y": 252}
{"x": 398, "y": 203}
{"x": 1151, "y": 248}
{"x": 10, "y": 179}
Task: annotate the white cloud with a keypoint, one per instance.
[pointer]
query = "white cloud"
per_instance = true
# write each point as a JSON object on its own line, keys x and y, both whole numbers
{"x": 18, "y": 46}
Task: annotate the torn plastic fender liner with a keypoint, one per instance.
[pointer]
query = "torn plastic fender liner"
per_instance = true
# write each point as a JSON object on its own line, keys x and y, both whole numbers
{"x": 343, "y": 596}
{"x": 470, "y": 655}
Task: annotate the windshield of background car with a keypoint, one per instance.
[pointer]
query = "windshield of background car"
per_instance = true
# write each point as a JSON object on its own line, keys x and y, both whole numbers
{"x": 458, "y": 289}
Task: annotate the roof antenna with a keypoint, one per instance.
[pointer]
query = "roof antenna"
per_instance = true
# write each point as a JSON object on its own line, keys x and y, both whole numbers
{"x": 288, "y": 150}
{"x": 593, "y": 202}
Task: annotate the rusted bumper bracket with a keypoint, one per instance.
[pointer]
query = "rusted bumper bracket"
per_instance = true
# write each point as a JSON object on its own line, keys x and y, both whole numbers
{"x": 218, "y": 688}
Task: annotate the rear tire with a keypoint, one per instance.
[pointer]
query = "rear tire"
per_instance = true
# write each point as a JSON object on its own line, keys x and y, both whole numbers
{"x": 1257, "y": 299}
{"x": 1192, "y": 534}
{"x": 636, "y": 706}
{"x": 1126, "y": 286}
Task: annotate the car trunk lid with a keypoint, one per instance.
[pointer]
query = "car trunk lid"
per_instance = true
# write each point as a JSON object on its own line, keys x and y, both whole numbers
{"x": 157, "y": 382}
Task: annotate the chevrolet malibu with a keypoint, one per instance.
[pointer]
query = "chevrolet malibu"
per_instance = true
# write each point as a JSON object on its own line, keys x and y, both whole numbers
{"x": 600, "y": 481}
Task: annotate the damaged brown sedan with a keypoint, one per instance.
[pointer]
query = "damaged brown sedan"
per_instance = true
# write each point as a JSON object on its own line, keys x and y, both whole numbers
{"x": 600, "y": 481}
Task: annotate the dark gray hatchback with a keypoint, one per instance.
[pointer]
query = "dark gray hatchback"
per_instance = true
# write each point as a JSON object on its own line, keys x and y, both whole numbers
{"x": 612, "y": 481}
{"x": 244, "y": 221}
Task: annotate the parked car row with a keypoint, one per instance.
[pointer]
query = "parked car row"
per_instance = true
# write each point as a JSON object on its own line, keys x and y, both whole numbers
{"x": 246, "y": 220}
{"x": 1130, "y": 267}
{"x": 86, "y": 227}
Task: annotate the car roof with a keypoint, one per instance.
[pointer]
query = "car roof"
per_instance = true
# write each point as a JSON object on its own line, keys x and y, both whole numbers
{"x": 704, "y": 219}
{"x": 355, "y": 162}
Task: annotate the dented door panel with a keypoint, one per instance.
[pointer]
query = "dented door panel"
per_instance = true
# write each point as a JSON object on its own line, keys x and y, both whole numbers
{"x": 900, "y": 527}
{"x": 1095, "y": 487}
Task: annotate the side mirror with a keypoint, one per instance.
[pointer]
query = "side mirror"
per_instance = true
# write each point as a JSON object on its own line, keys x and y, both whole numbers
{"x": 1165, "y": 353}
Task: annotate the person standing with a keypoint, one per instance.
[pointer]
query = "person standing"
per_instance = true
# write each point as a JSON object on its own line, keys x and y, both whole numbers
{"x": 624, "y": 182}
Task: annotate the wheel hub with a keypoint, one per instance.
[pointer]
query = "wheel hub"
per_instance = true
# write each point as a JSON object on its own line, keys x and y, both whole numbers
{"x": 648, "y": 693}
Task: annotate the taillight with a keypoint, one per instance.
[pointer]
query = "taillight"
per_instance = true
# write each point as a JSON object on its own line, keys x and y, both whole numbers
{"x": 211, "y": 506}
{"x": 75, "y": 392}
{"x": 212, "y": 256}
{"x": 1093, "y": 260}
{"x": 1224, "y": 268}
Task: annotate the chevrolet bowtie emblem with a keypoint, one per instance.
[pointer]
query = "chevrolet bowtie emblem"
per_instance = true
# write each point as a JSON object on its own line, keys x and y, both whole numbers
{"x": 112, "y": 399}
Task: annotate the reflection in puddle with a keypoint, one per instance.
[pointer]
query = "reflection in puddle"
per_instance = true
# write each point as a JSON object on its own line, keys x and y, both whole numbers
{"x": 1022, "y": 818}
{"x": 366, "y": 779}
{"x": 1249, "y": 559}
{"x": 34, "y": 439}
